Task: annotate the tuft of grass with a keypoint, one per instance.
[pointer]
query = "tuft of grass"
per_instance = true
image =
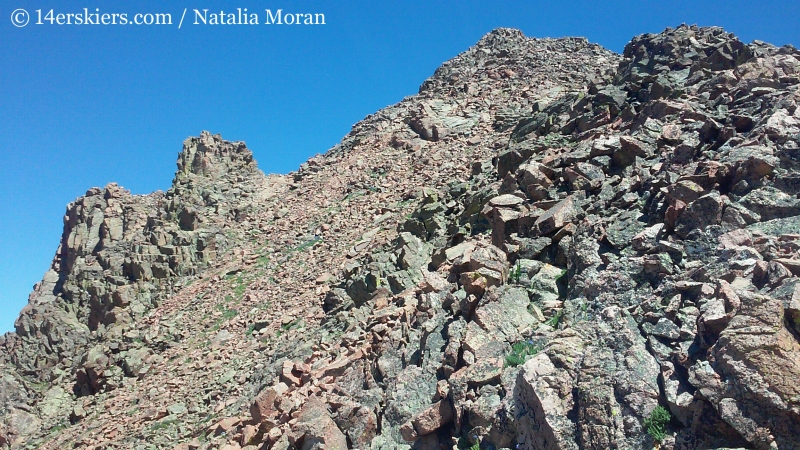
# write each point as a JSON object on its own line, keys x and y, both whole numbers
{"x": 295, "y": 324}
{"x": 162, "y": 424}
{"x": 240, "y": 287}
{"x": 657, "y": 422}
{"x": 306, "y": 245}
{"x": 463, "y": 444}
{"x": 57, "y": 428}
{"x": 515, "y": 274}
{"x": 519, "y": 352}
{"x": 556, "y": 319}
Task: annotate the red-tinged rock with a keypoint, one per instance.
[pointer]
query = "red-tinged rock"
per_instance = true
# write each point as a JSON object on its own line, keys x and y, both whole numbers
{"x": 154, "y": 414}
{"x": 489, "y": 257}
{"x": 714, "y": 319}
{"x": 673, "y": 212}
{"x": 769, "y": 273}
{"x": 249, "y": 435}
{"x": 629, "y": 149}
{"x": 503, "y": 220}
{"x": 315, "y": 428}
{"x": 474, "y": 283}
{"x": 324, "y": 278}
{"x": 335, "y": 368}
{"x": 648, "y": 238}
{"x": 726, "y": 293}
{"x": 274, "y": 434}
{"x": 408, "y": 433}
{"x": 556, "y": 217}
{"x": 505, "y": 201}
{"x": 432, "y": 282}
{"x": 792, "y": 264}
{"x": 302, "y": 367}
{"x": 792, "y": 306}
{"x": 547, "y": 390}
{"x": 534, "y": 174}
{"x": 263, "y": 406}
{"x": 686, "y": 191}
{"x": 359, "y": 423}
{"x": 705, "y": 211}
{"x": 672, "y": 134}
{"x": 287, "y": 375}
{"x": 736, "y": 238}
{"x": 433, "y": 418}
{"x": 225, "y": 425}
{"x": 759, "y": 360}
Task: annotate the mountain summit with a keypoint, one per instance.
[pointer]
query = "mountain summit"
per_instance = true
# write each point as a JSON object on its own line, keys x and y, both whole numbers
{"x": 550, "y": 246}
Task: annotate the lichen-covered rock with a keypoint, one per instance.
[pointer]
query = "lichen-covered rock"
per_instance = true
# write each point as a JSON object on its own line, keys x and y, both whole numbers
{"x": 547, "y": 393}
{"x": 540, "y": 248}
{"x": 315, "y": 430}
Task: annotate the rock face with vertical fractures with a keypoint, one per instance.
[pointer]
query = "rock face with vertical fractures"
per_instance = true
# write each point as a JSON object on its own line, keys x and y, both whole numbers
{"x": 543, "y": 248}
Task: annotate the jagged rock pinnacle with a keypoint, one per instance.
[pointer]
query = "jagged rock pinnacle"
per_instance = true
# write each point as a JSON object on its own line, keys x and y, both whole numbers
{"x": 208, "y": 155}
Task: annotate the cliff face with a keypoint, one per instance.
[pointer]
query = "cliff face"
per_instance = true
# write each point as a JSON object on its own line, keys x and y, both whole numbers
{"x": 550, "y": 246}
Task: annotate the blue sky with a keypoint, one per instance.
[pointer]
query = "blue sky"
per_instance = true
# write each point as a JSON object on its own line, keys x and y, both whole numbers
{"x": 82, "y": 106}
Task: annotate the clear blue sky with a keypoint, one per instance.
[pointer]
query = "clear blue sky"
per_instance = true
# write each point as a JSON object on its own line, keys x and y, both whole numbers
{"x": 82, "y": 106}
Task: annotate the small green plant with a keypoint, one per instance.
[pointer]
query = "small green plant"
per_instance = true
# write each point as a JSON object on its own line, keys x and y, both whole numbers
{"x": 463, "y": 444}
{"x": 57, "y": 428}
{"x": 240, "y": 287}
{"x": 162, "y": 424}
{"x": 306, "y": 245}
{"x": 515, "y": 274}
{"x": 556, "y": 319}
{"x": 229, "y": 314}
{"x": 519, "y": 352}
{"x": 353, "y": 195}
{"x": 295, "y": 324}
{"x": 657, "y": 422}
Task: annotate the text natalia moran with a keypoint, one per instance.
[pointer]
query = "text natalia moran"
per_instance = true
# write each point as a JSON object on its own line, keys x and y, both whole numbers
{"x": 269, "y": 17}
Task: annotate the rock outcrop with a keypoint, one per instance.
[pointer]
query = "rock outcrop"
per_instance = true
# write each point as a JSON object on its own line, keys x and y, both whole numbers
{"x": 550, "y": 246}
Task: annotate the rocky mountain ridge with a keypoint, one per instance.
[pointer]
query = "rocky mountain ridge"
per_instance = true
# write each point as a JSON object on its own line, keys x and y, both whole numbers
{"x": 550, "y": 246}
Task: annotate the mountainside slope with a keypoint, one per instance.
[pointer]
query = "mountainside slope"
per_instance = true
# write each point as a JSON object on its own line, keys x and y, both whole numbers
{"x": 543, "y": 248}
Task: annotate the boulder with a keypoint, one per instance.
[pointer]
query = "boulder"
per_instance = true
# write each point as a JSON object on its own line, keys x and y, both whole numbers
{"x": 559, "y": 215}
{"x": 546, "y": 393}
{"x": 315, "y": 430}
{"x": 705, "y": 211}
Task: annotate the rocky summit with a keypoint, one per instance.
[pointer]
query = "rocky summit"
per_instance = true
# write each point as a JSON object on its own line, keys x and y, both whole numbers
{"x": 550, "y": 246}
